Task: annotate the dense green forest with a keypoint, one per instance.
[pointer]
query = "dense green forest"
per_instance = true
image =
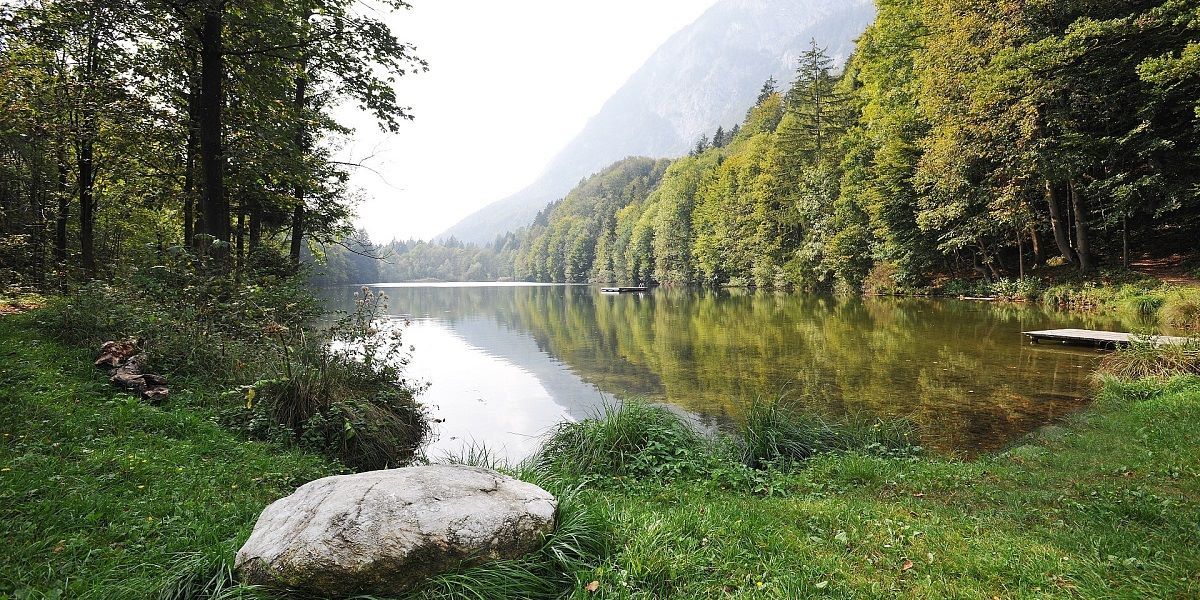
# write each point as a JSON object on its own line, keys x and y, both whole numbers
{"x": 137, "y": 131}
{"x": 961, "y": 139}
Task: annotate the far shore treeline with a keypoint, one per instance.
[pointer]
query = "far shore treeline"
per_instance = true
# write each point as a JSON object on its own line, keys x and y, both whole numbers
{"x": 961, "y": 138}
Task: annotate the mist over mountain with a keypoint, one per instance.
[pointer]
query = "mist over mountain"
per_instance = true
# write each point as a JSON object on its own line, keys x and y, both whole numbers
{"x": 705, "y": 76}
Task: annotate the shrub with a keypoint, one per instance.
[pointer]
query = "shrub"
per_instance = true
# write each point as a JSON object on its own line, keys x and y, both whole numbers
{"x": 882, "y": 280}
{"x": 343, "y": 393}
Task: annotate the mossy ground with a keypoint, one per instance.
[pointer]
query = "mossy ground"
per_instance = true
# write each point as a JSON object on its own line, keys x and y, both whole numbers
{"x": 105, "y": 497}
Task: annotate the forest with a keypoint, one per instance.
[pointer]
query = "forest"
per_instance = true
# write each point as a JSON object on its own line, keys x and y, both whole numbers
{"x": 137, "y": 132}
{"x": 960, "y": 139}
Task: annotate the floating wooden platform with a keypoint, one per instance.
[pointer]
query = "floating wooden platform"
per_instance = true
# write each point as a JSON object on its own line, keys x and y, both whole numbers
{"x": 623, "y": 290}
{"x": 1088, "y": 337}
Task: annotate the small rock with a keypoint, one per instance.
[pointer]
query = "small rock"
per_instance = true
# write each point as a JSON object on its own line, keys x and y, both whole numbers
{"x": 384, "y": 532}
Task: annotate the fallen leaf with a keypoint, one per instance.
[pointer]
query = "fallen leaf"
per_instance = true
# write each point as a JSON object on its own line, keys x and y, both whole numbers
{"x": 908, "y": 564}
{"x": 592, "y": 587}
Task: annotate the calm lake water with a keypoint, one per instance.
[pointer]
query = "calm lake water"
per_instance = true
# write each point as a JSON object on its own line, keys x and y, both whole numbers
{"x": 506, "y": 362}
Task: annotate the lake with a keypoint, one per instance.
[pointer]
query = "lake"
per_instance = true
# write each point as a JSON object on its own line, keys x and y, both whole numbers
{"x": 505, "y": 362}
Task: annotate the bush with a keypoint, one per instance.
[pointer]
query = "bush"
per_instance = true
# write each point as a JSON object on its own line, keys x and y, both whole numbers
{"x": 339, "y": 391}
{"x": 882, "y": 280}
{"x": 343, "y": 393}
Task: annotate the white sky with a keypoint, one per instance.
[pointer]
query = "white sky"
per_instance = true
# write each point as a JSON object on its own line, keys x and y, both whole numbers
{"x": 510, "y": 83}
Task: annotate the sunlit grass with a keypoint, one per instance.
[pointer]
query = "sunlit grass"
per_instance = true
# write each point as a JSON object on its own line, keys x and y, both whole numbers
{"x": 1103, "y": 506}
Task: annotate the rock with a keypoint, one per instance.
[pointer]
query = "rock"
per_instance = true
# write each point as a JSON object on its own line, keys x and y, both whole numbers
{"x": 384, "y": 532}
{"x": 114, "y": 354}
{"x": 149, "y": 386}
{"x": 126, "y": 364}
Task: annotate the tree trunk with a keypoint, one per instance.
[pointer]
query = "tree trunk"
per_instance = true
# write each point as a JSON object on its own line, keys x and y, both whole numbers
{"x": 1035, "y": 240}
{"x": 86, "y": 140}
{"x": 214, "y": 209}
{"x": 298, "y": 192}
{"x": 189, "y": 168}
{"x": 64, "y": 206}
{"x": 1124, "y": 241}
{"x": 256, "y": 216}
{"x": 1020, "y": 255}
{"x": 1081, "y": 233}
{"x": 1059, "y": 226}
{"x": 241, "y": 247}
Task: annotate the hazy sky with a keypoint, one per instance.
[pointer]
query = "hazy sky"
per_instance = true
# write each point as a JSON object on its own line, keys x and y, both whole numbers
{"x": 510, "y": 83}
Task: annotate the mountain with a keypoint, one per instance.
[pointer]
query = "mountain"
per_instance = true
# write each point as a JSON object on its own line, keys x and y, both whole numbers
{"x": 707, "y": 75}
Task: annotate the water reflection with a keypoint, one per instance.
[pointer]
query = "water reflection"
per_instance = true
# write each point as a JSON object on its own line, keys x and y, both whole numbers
{"x": 507, "y": 362}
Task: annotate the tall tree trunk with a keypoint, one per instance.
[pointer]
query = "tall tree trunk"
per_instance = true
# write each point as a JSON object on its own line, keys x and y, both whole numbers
{"x": 241, "y": 247}
{"x": 37, "y": 199}
{"x": 86, "y": 141}
{"x": 87, "y": 206}
{"x": 189, "y": 166}
{"x": 301, "y": 150}
{"x": 1057, "y": 223}
{"x": 1020, "y": 255}
{"x": 1035, "y": 240}
{"x": 214, "y": 209}
{"x": 1081, "y": 234}
{"x": 256, "y": 217}
{"x": 1124, "y": 241}
{"x": 64, "y": 206}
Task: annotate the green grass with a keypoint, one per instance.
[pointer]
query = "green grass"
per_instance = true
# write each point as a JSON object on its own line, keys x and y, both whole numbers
{"x": 102, "y": 496}
{"x": 1106, "y": 505}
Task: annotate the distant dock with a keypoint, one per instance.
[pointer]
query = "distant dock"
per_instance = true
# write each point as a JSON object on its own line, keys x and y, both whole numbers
{"x": 1103, "y": 339}
{"x": 623, "y": 290}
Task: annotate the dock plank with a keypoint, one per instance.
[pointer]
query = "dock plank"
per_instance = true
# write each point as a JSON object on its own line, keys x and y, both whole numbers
{"x": 1089, "y": 337}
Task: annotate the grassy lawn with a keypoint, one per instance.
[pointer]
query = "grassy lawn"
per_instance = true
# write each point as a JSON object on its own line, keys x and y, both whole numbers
{"x": 102, "y": 496}
{"x": 1108, "y": 506}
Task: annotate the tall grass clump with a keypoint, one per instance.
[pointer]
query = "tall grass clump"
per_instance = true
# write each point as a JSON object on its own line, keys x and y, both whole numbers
{"x": 776, "y": 430}
{"x": 634, "y": 440}
{"x": 1147, "y": 358}
{"x": 1182, "y": 311}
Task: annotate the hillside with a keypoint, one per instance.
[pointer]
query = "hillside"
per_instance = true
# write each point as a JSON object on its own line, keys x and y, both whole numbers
{"x": 703, "y": 77}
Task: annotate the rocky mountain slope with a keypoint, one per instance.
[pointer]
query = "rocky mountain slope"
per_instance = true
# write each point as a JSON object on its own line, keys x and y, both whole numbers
{"x": 704, "y": 76}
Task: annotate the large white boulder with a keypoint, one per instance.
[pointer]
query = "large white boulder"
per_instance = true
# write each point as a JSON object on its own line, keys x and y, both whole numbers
{"x": 383, "y": 532}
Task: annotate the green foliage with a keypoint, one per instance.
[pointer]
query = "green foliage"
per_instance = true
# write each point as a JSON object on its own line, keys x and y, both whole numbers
{"x": 341, "y": 391}
{"x": 944, "y": 148}
{"x": 583, "y": 239}
{"x": 344, "y": 393}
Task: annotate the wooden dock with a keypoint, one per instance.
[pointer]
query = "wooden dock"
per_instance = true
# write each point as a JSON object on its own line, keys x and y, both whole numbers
{"x": 623, "y": 290}
{"x": 1103, "y": 339}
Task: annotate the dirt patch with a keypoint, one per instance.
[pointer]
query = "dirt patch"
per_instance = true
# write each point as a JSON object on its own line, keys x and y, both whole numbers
{"x": 18, "y": 306}
{"x": 1178, "y": 269}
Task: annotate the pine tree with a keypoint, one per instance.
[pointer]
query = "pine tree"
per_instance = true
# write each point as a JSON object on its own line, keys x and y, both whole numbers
{"x": 815, "y": 111}
{"x": 768, "y": 88}
{"x": 719, "y": 138}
